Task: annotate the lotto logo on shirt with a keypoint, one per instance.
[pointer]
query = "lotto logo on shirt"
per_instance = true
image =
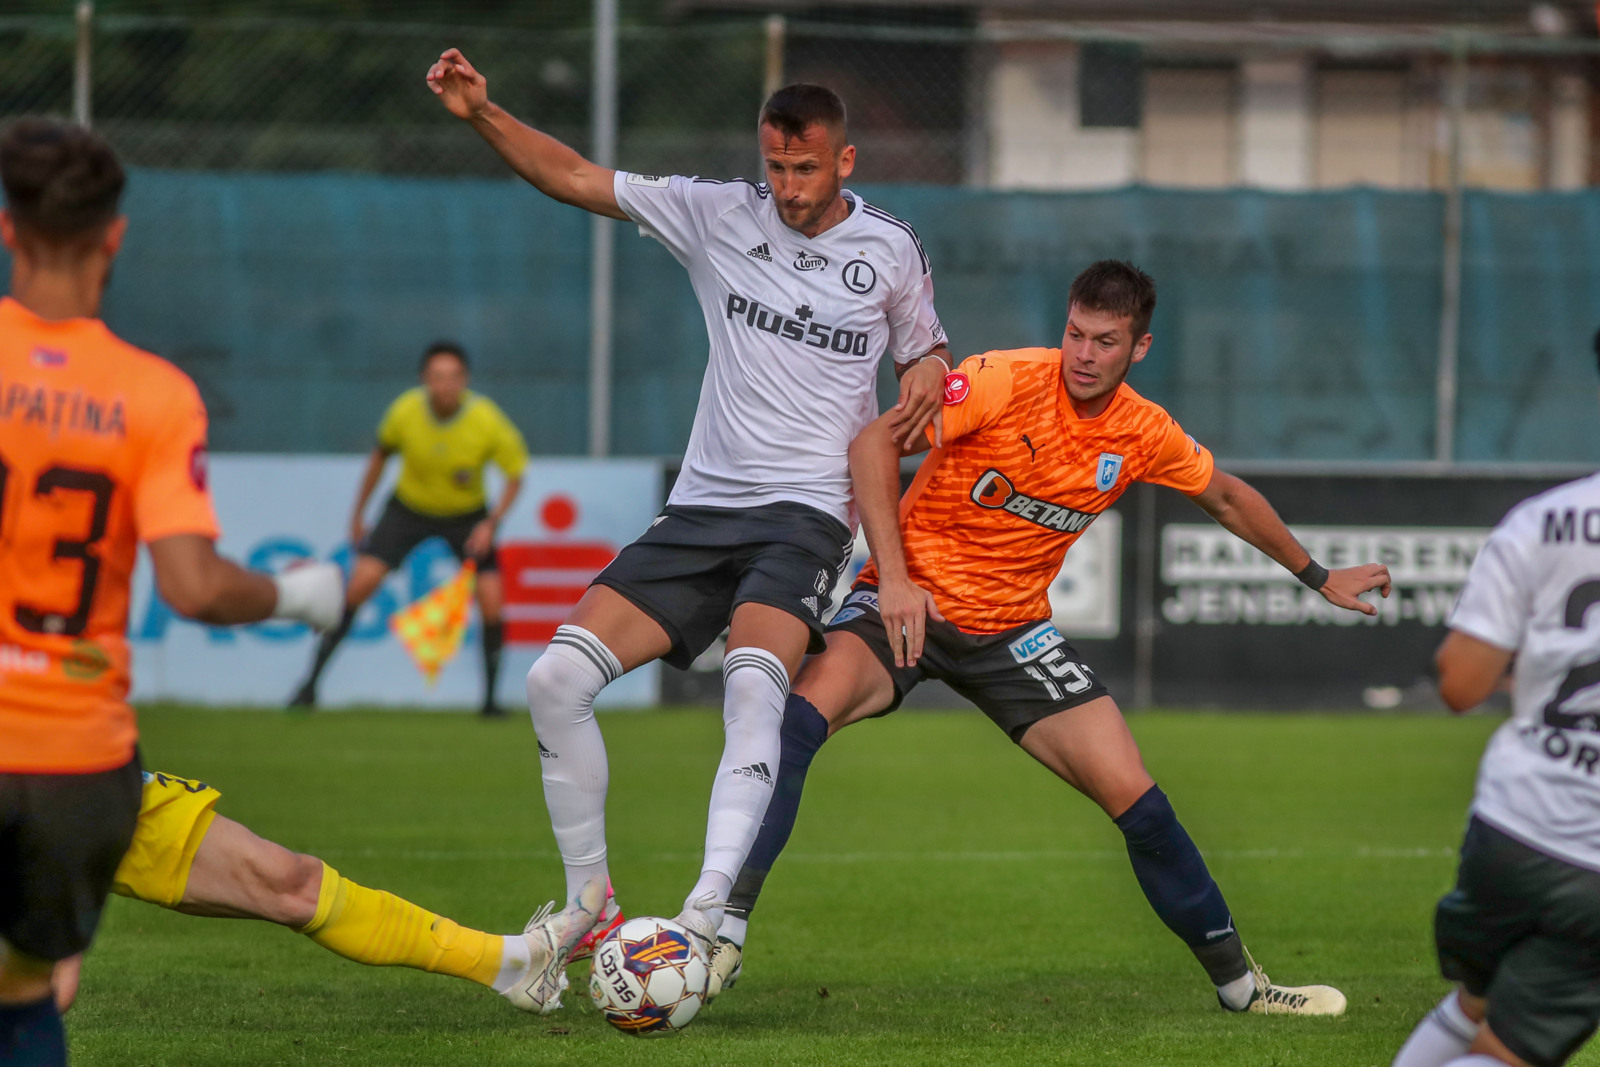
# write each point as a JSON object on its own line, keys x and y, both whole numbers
{"x": 956, "y": 387}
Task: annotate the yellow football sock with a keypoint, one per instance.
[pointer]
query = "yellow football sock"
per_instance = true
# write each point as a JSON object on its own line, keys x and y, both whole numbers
{"x": 380, "y": 929}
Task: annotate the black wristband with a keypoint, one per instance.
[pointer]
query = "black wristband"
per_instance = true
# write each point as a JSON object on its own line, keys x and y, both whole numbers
{"x": 1313, "y": 575}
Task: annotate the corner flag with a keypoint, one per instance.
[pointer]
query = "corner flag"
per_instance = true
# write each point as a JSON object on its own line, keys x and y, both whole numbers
{"x": 431, "y": 628}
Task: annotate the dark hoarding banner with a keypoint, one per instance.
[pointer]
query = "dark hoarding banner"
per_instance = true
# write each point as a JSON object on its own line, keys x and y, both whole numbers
{"x": 1229, "y": 627}
{"x": 1171, "y": 610}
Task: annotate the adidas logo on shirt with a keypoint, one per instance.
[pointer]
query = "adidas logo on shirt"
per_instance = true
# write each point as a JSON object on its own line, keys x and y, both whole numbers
{"x": 758, "y": 771}
{"x": 761, "y": 252}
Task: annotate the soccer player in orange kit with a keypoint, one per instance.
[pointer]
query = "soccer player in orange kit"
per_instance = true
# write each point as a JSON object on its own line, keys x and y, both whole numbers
{"x": 1037, "y": 442}
{"x": 102, "y": 446}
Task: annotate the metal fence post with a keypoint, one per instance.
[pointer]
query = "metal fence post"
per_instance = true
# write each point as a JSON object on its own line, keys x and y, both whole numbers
{"x": 772, "y": 75}
{"x": 603, "y": 124}
{"x": 82, "y": 82}
{"x": 1446, "y": 386}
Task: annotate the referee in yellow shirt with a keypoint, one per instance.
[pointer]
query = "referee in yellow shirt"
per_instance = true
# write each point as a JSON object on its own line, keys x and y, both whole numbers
{"x": 445, "y": 435}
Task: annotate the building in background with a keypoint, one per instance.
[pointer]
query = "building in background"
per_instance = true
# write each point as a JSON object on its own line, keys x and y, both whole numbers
{"x": 1280, "y": 94}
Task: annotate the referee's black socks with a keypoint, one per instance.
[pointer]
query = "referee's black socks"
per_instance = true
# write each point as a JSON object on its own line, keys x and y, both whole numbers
{"x": 494, "y": 639}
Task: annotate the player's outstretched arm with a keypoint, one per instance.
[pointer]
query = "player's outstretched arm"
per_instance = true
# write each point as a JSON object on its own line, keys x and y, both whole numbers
{"x": 875, "y": 472}
{"x": 1469, "y": 670}
{"x": 1245, "y": 513}
{"x": 544, "y": 162}
{"x": 201, "y": 585}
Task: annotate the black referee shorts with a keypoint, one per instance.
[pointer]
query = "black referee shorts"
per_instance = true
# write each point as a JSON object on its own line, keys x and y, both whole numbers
{"x": 1015, "y": 677}
{"x": 61, "y": 838}
{"x": 694, "y": 565}
{"x": 1522, "y": 928}
{"x": 401, "y": 529}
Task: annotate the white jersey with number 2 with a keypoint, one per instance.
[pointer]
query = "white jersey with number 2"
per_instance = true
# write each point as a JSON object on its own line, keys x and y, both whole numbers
{"x": 1535, "y": 590}
{"x": 798, "y": 326}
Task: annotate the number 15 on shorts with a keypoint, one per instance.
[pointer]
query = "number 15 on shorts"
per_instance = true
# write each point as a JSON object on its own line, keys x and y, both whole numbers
{"x": 1058, "y": 674}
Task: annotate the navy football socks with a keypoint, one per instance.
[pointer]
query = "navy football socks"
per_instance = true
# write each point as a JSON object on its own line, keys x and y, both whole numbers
{"x": 1179, "y": 887}
{"x": 804, "y": 731}
{"x": 31, "y": 1035}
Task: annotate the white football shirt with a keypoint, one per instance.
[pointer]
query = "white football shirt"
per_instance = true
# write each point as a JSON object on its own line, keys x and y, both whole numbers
{"x": 797, "y": 326}
{"x": 1535, "y": 590}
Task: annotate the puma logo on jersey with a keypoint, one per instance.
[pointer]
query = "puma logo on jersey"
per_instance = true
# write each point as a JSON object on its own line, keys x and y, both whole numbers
{"x": 761, "y": 252}
{"x": 994, "y": 491}
{"x": 1033, "y": 453}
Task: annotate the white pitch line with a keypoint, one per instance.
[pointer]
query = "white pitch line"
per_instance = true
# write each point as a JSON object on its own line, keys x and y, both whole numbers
{"x": 904, "y": 856}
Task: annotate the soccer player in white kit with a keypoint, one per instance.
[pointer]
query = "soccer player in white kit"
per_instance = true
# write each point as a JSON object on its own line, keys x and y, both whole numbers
{"x": 804, "y": 287}
{"x": 1520, "y": 932}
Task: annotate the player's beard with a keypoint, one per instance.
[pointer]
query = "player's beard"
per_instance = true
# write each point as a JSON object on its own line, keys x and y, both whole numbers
{"x": 812, "y": 215}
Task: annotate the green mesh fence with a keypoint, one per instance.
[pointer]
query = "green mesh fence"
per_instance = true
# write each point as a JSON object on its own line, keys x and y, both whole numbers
{"x": 1293, "y": 326}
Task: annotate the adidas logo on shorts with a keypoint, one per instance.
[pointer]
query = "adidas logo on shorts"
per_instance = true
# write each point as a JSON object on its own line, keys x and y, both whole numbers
{"x": 761, "y": 252}
{"x": 758, "y": 771}
{"x": 810, "y": 602}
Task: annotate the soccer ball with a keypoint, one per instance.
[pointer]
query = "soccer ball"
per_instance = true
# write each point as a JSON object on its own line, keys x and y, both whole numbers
{"x": 648, "y": 979}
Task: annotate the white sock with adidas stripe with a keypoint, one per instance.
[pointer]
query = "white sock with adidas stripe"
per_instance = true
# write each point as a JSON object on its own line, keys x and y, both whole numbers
{"x": 562, "y": 685}
{"x": 756, "y": 684}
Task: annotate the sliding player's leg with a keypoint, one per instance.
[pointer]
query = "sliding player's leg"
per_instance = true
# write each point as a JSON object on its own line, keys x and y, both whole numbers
{"x": 187, "y": 858}
{"x": 366, "y": 574}
{"x": 1089, "y": 746}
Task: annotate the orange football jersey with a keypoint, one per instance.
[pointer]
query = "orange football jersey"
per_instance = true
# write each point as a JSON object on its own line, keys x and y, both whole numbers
{"x": 990, "y": 515}
{"x": 102, "y": 446}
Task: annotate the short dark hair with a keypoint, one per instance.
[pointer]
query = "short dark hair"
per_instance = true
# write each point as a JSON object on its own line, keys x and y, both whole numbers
{"x": 794, "y": 108}
{"x": 61, "y": 181}
{"x": 1116, "y": 287}
{"x": 444, "y": 348}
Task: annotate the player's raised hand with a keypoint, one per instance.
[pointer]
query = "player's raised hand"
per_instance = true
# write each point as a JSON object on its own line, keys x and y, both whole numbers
{"x": 905, "y": 607}
{"x": 921, "y": 402}
{"x": 464, "y": 91}
{"x": 1344, "y": 587}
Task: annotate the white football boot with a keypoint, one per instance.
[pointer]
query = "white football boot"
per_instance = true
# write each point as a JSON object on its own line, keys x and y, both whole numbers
{"x": 696, "y": 919}
{"x": 1270, "y": 999}
{"x": 550, "y": 939}
{"x": 727, "y": 963}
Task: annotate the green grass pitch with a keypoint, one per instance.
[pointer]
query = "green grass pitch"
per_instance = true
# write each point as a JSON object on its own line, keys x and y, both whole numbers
{"x": 944, "y": 899}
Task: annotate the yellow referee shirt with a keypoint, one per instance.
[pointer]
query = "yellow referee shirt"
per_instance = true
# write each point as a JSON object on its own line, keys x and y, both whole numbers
{"x": 441, "y": 463}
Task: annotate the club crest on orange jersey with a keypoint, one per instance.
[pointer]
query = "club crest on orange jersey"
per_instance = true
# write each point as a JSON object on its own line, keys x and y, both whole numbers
{"x": 1106, "y": 471}
{"x": 956, "y": 387}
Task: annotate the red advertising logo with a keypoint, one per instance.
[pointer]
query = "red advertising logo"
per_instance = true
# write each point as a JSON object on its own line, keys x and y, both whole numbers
{"x": 544, "y": 579}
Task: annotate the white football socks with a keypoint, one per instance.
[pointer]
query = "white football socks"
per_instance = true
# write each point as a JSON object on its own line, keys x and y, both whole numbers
{"x": 1237, "y": 993}
{"x": 562, "y": 685}
{"x": 756, "y": 684}
{"x": 1442, "y": 1037}
{"x": 1477, "y": 1059}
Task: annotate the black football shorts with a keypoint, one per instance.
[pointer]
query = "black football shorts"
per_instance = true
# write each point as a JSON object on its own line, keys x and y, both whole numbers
{"x": 401, "y": 529}
{"x": 61, "y": 838}
{"x": 1522, "y": 928}
{"x": 694, "y": 565}
{"x": 1015, "y": 677}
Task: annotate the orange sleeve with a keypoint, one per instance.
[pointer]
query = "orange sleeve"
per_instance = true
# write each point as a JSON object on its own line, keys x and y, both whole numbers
{"x": 1181, "y": 462}
{"x": 170, "y": 496}
{"x": 975, "y": 395}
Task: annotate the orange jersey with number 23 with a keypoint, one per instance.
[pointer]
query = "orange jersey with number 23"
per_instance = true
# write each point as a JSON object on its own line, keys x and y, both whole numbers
{"x": 990, "y": 515}
{"x": 102, "y": 446}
